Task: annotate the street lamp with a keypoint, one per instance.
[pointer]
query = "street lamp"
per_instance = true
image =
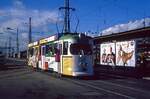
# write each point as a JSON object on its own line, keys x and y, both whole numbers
{"x": 17, "y": 40}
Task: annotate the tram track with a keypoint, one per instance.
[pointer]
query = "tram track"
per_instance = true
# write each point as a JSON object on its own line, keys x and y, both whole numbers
{"x": 122, "y": 86}
{"x": 129, "y": 82}
{"x": 107, "y": 86}
{"x": 127, "y": 91}
{"x": 98, "y": 88}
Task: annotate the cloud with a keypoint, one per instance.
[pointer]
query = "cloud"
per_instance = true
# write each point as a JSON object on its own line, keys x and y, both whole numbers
{"x": 18, "y": 4}
{"x": 18, "y": 15}
{"x": 128, "y": 26}
{"x": 24, "y": 35}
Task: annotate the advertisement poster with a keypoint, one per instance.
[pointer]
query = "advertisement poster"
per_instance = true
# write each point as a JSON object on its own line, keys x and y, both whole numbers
{"x": 107, "y": 56}
{"x": 125, "y": 53}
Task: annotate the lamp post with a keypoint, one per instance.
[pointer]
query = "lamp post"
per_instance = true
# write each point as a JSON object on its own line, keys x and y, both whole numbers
{"x": 9, "y": 48}
{"x": 17, "y": 40}
{"x": 30, "y": 31}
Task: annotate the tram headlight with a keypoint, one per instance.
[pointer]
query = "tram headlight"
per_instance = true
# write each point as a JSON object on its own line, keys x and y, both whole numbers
{"x": 69, "y": 69}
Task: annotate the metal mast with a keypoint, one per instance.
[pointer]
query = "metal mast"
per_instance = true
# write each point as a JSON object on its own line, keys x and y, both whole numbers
{"x": 9, "y": 46}
{"x": 17, "y": 42}
{"x": 67, "y": 9}
{"x": 30, "y": 35}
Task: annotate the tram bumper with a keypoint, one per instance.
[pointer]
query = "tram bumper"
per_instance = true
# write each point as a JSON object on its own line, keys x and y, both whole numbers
{"x": 82, "y": 74}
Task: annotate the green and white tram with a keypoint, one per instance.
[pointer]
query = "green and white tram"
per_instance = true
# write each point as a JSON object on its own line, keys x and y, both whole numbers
{"x": 67, "y": 54}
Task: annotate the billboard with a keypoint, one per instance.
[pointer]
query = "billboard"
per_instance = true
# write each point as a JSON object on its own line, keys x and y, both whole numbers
{"x": 125, "y": 53}
{"x": 107, "y": 55}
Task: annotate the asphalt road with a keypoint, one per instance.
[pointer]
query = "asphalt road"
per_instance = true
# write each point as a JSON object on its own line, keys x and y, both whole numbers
{"x": 18, "y": 81}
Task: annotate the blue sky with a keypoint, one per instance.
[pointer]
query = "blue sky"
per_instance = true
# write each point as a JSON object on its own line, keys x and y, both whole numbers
{"x": 93, "y": 15}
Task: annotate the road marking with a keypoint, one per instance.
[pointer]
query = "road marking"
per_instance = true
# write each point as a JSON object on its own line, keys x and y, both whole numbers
{"x": 92, "y": 93}
{"x": 131, "y": 88}
{"x": 132, "y": 82}
{"x": 146, "y": 78}
{"x": 98, "y": 88}
{"x": 112, "y": 75}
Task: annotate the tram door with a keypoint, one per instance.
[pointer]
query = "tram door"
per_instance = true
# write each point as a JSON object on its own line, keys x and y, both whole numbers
{"x": 67, "y": 61}
{"x": 43, "y": 52}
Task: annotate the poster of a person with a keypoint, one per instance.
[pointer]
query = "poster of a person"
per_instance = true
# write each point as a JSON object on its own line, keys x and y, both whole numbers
{"x": 104, "y": 56}
{"x": 111, "y": 57}
{"x": 108, "y": 54}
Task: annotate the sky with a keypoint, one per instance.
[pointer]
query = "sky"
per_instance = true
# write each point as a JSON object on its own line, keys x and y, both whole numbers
{"x": 94, "y": 16}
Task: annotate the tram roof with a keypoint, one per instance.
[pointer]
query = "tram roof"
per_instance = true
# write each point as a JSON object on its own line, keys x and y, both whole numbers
{"x": 33, "y": 44}
{"x": 73, "y": 35}
{"x": 56, "y": 37}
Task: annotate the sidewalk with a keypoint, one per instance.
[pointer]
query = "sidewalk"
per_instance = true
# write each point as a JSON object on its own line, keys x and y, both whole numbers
{"x": 121, "y": 71}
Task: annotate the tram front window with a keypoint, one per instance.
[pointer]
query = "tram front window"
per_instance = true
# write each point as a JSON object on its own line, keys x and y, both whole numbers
{"x": 80, "y": 49}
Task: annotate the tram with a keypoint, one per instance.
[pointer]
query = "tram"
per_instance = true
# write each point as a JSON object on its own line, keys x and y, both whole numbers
{"x": 67, "y": 54}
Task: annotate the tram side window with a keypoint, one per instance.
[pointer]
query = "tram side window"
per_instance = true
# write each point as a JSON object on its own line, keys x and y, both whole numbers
{"x": 65, "y": 48}
{"x": 55, "y": 48}
{"x": 49, "y": 50}
{"x": 35, "y": 51}
{"x": 31, "y": 52}
{"x": 43, "y": 51}
{"x": 60, "y": 48}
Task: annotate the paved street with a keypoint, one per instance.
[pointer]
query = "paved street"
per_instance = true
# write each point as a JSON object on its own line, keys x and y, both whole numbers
{"x": 18, "y": 81}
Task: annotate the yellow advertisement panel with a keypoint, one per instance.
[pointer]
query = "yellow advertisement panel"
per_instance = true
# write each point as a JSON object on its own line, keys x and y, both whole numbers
{"x": 67, "y": 63}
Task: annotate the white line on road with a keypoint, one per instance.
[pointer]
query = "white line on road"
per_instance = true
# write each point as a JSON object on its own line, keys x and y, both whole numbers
{"x": 98, "y": 88}
{"x": 131, "y": 88}
{"x": 132, "y": 82}
{"x": 146, "y": 78}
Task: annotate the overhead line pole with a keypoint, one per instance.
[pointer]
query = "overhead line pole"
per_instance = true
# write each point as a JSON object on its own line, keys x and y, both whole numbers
{"x": 17, "y": 39}
{"x": 67, "y": 9}
{"x": 30, "y": 31}
{"x": 17, "y": 43}
{"x": 10, "y": 46}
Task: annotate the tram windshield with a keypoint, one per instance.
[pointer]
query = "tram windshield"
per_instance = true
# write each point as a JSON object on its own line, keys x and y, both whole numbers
{"x": 80, "y": 49}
